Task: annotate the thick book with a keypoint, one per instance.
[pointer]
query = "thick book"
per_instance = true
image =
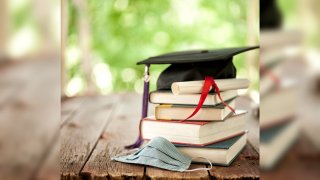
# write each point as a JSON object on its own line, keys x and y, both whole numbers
{"x": 195, "y": 87}
{"x": 275, "y": 141}
{"x": 167, "y": 97}
{"x": 206, "y": 113}
{"x": 195, "y": 132}
{"x": 220, "y": 153}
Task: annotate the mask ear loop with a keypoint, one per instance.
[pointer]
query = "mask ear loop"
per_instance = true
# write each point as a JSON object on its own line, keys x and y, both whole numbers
{"x": 201, "y": 169}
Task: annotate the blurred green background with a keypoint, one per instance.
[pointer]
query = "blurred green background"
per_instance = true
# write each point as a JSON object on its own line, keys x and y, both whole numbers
{"x": 105, "y": 39}
{"x": 101, "y": 57}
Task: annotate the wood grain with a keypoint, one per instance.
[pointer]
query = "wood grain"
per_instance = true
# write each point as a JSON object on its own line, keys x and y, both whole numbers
{"x": 49, "y": 168}
{"x": 69, "y": 108}
{"x": 122, "y": 130}
{"x": 80, "y": 135}
{"x": 160, "y": 174}
{"x": 246, "y": 165}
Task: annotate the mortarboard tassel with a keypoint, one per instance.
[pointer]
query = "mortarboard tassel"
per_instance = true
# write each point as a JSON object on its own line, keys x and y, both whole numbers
{"x": 144, "y": 113}
{"x": 208, "y": 82}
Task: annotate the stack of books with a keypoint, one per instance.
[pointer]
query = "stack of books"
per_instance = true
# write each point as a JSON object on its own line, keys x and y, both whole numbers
{"x": 214, "y": 133}
{"x": 278, "y": 93}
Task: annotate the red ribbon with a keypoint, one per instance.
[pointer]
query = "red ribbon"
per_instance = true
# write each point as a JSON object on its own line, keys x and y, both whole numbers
{"x": 208, "y": 82}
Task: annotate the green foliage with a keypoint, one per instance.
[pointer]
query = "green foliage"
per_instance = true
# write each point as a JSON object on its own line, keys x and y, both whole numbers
{"x": 124, "y": 32}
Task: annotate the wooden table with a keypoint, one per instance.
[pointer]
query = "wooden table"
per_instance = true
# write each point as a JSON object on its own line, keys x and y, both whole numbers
{"x": 93, "y": 129}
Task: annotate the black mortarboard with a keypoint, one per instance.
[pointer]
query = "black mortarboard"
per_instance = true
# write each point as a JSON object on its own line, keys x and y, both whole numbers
{"x": 195, "y": 65}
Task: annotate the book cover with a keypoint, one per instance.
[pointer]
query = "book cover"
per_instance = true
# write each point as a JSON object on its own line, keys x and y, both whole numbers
{"x": 224, "y": 144}
{"x": 221, "y": 153}
{"x": 195, "y": 132}
{"x": 206, "y": 113}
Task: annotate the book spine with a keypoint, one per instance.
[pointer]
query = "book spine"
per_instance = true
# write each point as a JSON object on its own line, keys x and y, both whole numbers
{"x": 205, "y": 114}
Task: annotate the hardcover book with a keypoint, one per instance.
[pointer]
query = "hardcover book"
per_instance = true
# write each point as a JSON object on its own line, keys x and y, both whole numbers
{"x": 195, "y": 132}
{"x": 220, "y": 153}
{"x": 206, "y": 113}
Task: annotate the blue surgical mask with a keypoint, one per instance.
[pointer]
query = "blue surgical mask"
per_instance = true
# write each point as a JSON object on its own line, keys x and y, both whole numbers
{"x": 159, "y": 152}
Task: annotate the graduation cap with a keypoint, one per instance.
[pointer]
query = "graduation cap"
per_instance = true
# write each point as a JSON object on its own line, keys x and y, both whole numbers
{"x": 190, "y": 66}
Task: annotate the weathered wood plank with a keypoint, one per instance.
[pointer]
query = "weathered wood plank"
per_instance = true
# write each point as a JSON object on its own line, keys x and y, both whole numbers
{"x": 80, "y": 135}
{"x": 246, "y": 165}
{"x": 122, "y": 130}
{"x": 160, "y": 174}
{"x": 49, "y": 167}
{"x": 29, "y": 118}
{"x": 69, "y": 108}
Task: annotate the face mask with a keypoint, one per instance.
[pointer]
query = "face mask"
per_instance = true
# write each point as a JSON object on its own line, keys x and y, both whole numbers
{"x": 159, "y": 152}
